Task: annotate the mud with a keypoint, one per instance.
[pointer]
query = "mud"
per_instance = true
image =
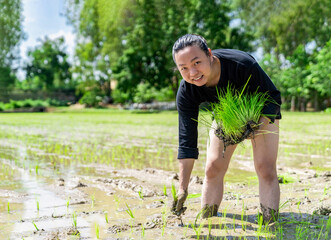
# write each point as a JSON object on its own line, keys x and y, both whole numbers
{"x": 305, "y": 200}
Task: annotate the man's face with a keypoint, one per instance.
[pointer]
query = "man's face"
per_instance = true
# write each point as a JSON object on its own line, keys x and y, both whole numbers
{"x": 194, "y": 65}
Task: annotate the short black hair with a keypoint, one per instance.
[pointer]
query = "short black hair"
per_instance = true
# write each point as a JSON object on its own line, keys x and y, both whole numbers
{"x": 189, "y": 40}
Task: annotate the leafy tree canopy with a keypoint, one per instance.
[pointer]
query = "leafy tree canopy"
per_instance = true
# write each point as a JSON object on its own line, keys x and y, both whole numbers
{"x": 48, "y": 66}
{"x": 284, "y": 25}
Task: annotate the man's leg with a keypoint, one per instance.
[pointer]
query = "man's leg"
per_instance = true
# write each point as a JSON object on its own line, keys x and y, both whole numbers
{"x": 265, "y": 148}
{"x": 216, "y": 167}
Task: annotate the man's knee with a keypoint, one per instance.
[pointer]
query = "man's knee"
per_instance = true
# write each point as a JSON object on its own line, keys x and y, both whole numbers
{"x": 266, "y": 170}
{"x": 215, "y": 169}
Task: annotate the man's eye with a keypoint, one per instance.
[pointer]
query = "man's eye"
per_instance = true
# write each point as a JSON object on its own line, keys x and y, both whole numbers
{"x": 198, "y": 62}
{"x": 183, "y": 69}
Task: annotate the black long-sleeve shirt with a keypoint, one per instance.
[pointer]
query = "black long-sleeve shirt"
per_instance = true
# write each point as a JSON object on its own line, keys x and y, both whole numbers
{"x": 236, "y": 68}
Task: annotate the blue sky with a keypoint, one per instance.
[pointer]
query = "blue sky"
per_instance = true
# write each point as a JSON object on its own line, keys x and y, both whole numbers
{"x": 42, "y": 18}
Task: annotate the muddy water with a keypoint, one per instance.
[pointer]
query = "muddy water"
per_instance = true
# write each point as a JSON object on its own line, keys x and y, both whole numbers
{"x": 97, "y": 171}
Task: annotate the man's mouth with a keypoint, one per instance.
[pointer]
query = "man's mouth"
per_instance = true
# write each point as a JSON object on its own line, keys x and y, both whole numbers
{"x": 197, "y": 79}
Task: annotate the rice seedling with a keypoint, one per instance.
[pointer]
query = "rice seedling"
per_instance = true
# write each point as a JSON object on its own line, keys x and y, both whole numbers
{"x": 37, "y": 169}
{"x": 243, "y": 213}
{"x": 236, "y": 114}
{"x": 117, "y": 201}
{"x": 260, "y": 224}
{"x": 141, "y": 196}
{"x": 285, "y": 179}
{"x": 37, "y": 202}
{"x": 234, "y": 223}
{"x": 129, "y": 211}
{"x": 74, "y": 220}
{"x": 220, "y": 224}
{"x": 97, "y": 230}
{"x": 8, "y": 207}
{"x": 142, "y": 231}
{"x": 196, "y": 195}
{"x": 306, "y": 192}
{"x": 68, "y": 202}
{"x": 185, "y": 230}
{"x": 106, "y": 217}
{"x": 320, "y": 233}
{"x": 35, "y": 226}
{"x": 165, "y": 190}
{"x": 197, "y": 230}
{"x": 209, "y": 228}
{"x": 92, "y": 200}
{"x": 164, "y": 221}
{"x": 300, "y": 231}
{"x": 173, "y": 192}
{"x": 328, "y": 227}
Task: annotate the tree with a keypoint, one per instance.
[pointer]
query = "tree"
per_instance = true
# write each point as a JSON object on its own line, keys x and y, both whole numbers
{"x": 134, "y": 38}
{"x": 319, "y": 79}
{"x": 98, "y": 42}
{"x": 294, "y": 80}
{"x": 48, "y": 66}
{"x": 283, "y": 25}
{"x": 147, "y": 55}
{"x": 211, "y": 19}
{"x": 11, "y": 34}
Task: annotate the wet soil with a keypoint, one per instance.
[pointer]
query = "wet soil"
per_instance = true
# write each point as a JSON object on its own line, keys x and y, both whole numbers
{"x": 131, "y": 204}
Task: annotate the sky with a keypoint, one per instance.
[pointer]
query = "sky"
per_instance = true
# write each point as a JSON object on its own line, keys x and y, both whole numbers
{"x": 43, "y": 18}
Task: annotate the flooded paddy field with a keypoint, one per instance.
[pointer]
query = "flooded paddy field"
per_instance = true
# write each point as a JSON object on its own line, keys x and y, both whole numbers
{"x": 107, "y": 174}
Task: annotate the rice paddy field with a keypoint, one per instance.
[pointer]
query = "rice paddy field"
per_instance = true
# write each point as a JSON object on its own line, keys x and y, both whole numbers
{"x": 107, "y": 174}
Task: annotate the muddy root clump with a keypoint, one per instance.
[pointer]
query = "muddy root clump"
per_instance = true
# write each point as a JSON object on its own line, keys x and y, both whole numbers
{"x": 248, "y": 132}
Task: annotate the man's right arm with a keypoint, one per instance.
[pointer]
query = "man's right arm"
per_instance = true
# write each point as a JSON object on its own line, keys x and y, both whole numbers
{"x": 188, "y": 111}
{"x": 185, "y": 170}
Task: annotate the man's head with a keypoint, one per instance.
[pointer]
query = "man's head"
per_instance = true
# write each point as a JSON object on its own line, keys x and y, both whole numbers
{"x": 193, "y": 59}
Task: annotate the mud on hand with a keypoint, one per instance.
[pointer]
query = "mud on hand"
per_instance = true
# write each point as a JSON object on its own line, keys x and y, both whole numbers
{"x": 177, "y": 206}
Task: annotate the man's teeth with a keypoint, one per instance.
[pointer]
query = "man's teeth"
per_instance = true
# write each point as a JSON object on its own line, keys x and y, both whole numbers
{"x": 197, "y": 78}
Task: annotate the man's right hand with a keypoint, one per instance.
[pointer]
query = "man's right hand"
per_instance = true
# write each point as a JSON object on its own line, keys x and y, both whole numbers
{"x": 178, "y": 206}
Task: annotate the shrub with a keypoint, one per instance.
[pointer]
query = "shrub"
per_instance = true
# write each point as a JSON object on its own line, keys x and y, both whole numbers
{"x": 2, "y": 107}
{"x": 119, "y": 96}
{"x": 164, "y": 95}
{"x": 144, "y": 93}
{"x": 27, "y": 103}
{"x": 16, "y": 104}
{"x": 57, "y": 103}
{"x": 90, "y": 99}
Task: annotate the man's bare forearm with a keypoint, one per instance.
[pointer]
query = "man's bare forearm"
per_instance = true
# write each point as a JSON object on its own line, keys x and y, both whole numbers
{"x": 185, "y": 170}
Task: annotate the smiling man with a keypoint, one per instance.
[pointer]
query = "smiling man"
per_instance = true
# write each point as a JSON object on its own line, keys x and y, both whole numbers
{"x": 206, "y": 72}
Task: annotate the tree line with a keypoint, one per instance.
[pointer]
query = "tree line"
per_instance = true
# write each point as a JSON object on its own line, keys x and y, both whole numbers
{"x": 123, "y": 48}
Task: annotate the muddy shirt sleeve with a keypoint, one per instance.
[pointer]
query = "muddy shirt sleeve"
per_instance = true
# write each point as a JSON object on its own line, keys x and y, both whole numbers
{"x": 188, "y": 111}
{"x": 264, "y": 84}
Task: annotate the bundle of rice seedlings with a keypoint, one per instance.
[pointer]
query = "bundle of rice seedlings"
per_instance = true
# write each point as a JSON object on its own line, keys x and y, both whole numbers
{"x": 237, "y": 114}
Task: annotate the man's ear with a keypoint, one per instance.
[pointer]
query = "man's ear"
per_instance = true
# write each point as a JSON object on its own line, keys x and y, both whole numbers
{"x": 210, "y": 53}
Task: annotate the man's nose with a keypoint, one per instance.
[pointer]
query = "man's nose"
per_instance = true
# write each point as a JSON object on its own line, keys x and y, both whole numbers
{"x": 193, "y": 71}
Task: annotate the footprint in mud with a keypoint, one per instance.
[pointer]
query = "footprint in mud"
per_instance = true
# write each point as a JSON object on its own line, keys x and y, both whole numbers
{"x": 120, "y": 228}
{"x": 154, "y": 221}
{"x": 79, "y": 184}
{"x": 63, "y": 233}
{"x": 117, "y": 228}
{"x": 155, "y": 204}
{"x": 326, "y": 211}
{"x": 60, "y": 182}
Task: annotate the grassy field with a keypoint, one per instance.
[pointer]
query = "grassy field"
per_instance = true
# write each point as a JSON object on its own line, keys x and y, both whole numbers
{"x": 45, "y": 147}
